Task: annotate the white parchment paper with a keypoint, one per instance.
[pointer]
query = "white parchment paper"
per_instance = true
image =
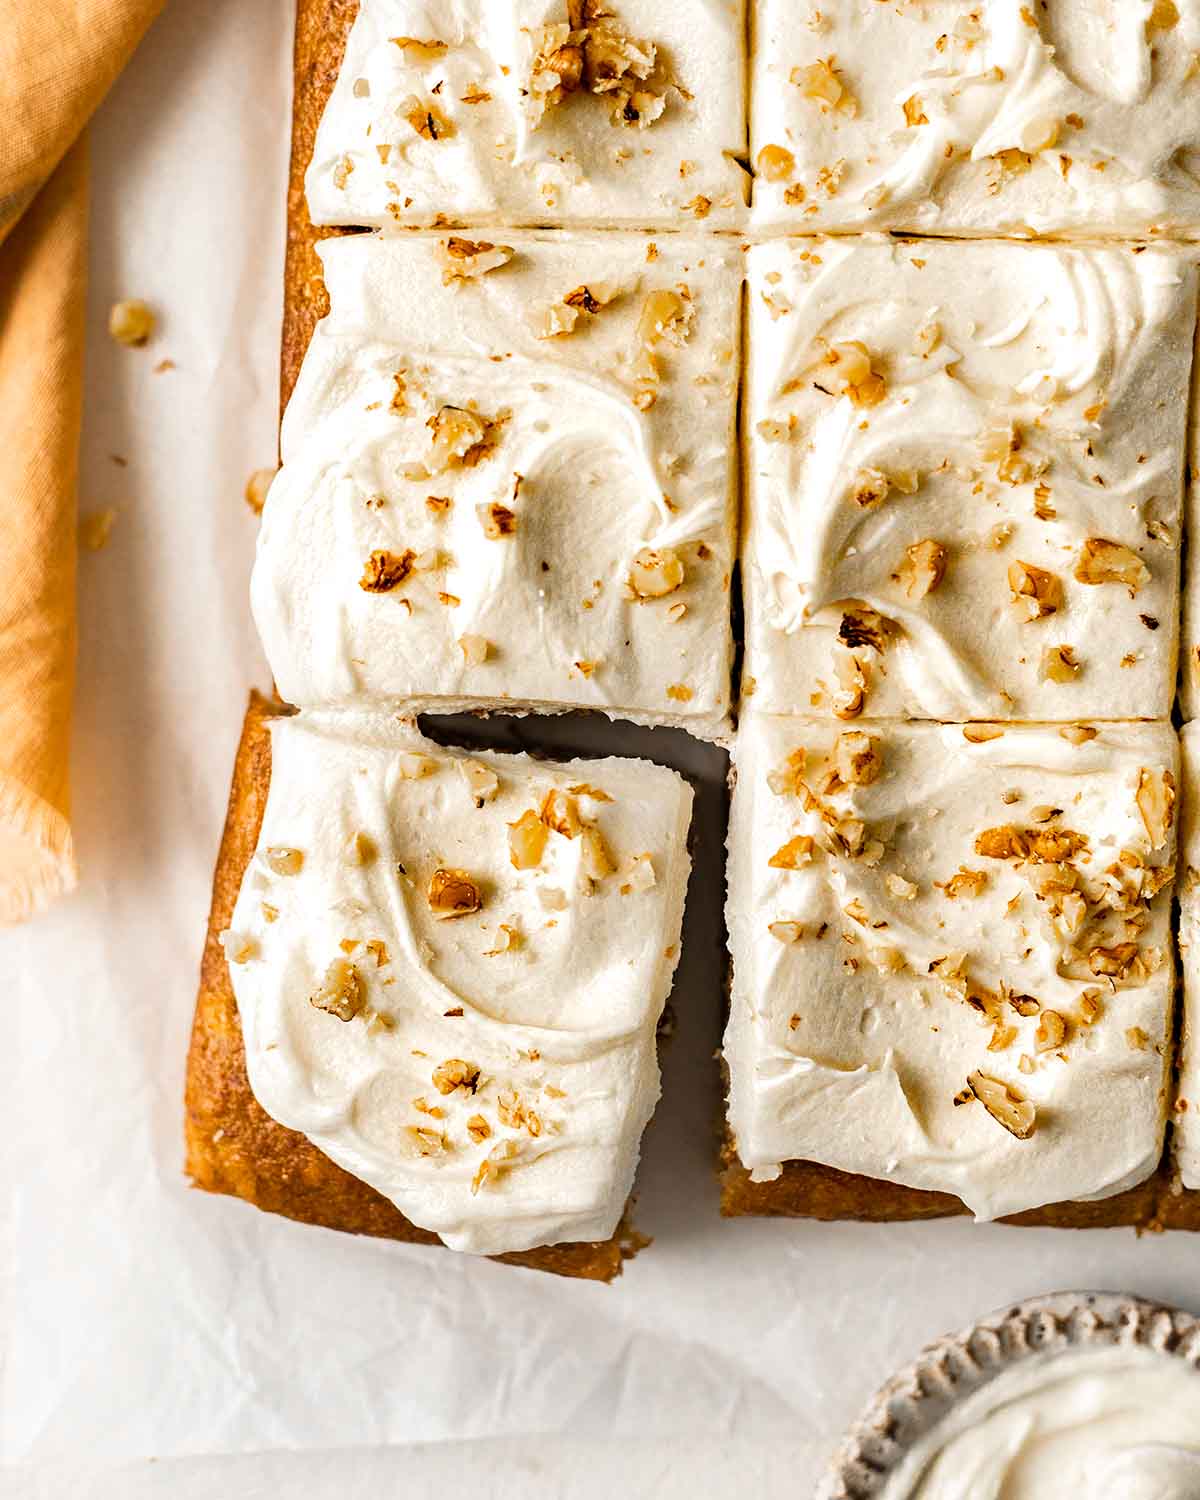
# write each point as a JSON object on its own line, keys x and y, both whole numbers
{"x": 145, "y": 1319}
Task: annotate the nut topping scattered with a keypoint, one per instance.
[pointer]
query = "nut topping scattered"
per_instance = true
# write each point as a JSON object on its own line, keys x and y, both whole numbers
{"x": 455, "y": 1074}
{"x": 1156, "y": 803}
{"x": 384, "y": 571}
{"x": 527, "y": 841}
{"x": 857, "y": 758}
{"x": 793, "y": 855}
{"x": 1035, "y": 592}
{"x": 341, "y": 991}
{"x": 1004, "y": 1104}
{"x": 453, "y": 893}
{"x": 655, "y": 573}
{"x": 923, "y": 568}
{"x": 466, "y": 260}
{"x": 1102, "y": 561}
{"x": 482, "y": 782}
{"x": 1060, "y": 664}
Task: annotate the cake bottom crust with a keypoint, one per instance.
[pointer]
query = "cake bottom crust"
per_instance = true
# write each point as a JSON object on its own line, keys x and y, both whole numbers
{"x": 808, "y": 1190}
{"x": 233, "y": 1145}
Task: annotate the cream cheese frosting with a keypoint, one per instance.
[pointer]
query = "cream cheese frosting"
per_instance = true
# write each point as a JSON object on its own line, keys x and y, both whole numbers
{"x": 631, "y": 113}
{"x": 964, "y": 475}
{"x": 1187, "y": 1102}
{"x": 1111, "y": 1423}
{"x": 511, "y": 487}
{"x": 474, "y": 1039}
{"x": 952, "y": 954}
{"x": 1001, "y": 117}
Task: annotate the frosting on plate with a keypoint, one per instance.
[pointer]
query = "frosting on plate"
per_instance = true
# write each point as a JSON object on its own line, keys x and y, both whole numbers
{"x": 1001, "y": 117}
{"x": 951, "y": 954}
{"x": 631, "y": 113}
{"x": 460, "y": 1011}
{"x": 510, "y": 487}
{"x": 1115, "y": 1423}
{"x": 965, "y": 471}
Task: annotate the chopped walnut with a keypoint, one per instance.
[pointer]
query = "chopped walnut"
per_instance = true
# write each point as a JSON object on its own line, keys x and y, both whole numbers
{"x": 1156, "y": 804}
{"x": 453, "y": 1074}
{"x": 793, "y": 855}
{"x": 785, "y": 932}
{"x": 776, "y": 163}
{"x": 849, "y": 365}
{"x": 914, "y": 111}
{"x": 821, "y": 82}
{"x": 527, "y": 841}
{"x": 384, "y": 571}
{"x": 857, "y": 758}
{"x": 475, "y": 649}
{"x": 497, "y": 520}
{"x": 1051, "y": 1031}
{"x": 1060, "y": 664}
{"x": 864, "y": 626}
{"x": 494, "y": 1164}
{"x": 655, "y": 573}
{"x": 418, "y": 51}
{"x": 787, "y": 780}
{"x": 508, "y": 938}
{"x": 560, "y": 813}
{"x": 1136, "y": 1039}
{"x": 639, "y": 874}
{"x": 595, "y": 857}
{"x": 412, "y": 765}
{"x": 461, "y": 438}
{"x": 980, "y": 734}
{"x": 923, "y": 568}
{"x": 283, "y": 861}
{"x": 1113, "y": 962}
{"x": 1035, "y": 592}
{"x": 426, "y": 118}
{"x": 1004, "y": 1104}
{"x": 1036, "y": 845}
{"x": 340, "y": 992}
{"x": 482, "y": 782}
{"x": 131, "y": 322}
{"x": 850, "y": 694}
{"x": 453, "y": 893}
{"x": 902, "y": 889}
{"x": 1078, "y": 734}
{"x": 466, "y": 260}
{"x": 968, "y": 883}
{"x": 1102, "y": 561}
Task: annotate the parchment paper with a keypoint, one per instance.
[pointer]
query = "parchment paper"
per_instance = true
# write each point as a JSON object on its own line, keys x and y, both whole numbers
{"x": 145, "y": 1319}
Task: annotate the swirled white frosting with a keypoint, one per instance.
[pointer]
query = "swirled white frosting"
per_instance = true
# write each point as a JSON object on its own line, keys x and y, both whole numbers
{"x": 1111, "y": 1423}
{"x": 1187, "y": 1102}
{"x": 601, "y": 478}
{"x": 1080, "y": 116}
{"x": 497, "y": 163}
{"x": 868, "y": 988}
{"x": 1082, "y": 357}
{"x": 557, "y": 1021}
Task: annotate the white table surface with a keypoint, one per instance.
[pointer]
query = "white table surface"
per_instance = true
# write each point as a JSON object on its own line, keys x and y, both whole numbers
{"x": 727, "y": 1358}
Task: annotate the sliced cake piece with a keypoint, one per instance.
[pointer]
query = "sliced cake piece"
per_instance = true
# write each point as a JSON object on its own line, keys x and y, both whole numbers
{"x": 628, "y": 113}
{"x": 449, "y": 969}
{"x": 952, "y": 964}
{"x": 999, "y": 117}
{"x": 508, "y": 480}
{"x": 965, "y": 476}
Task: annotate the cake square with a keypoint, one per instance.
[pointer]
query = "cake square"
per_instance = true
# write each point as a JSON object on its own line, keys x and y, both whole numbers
{"x": 952, "y": 958}
{"x": 512, "y": 487}
{"x": 449, "y": 970}
{"x": 964, "y": 476}
{"x": 537, "y": 112}
{"x": 1187, "y": 1101}
{"x": 996, "y": 118}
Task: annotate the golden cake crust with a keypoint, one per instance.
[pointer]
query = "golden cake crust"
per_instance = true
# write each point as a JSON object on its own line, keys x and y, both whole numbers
{"x": 233, "y": 1145}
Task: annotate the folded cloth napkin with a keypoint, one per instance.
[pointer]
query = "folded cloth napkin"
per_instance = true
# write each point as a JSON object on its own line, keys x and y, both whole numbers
{"x": 57, "y": 61}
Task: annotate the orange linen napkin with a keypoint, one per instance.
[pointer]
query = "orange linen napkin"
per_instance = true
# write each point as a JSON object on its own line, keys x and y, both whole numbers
{"x": 57, "y": 61}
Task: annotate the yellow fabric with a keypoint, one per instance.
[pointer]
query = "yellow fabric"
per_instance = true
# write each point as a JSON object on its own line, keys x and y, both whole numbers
{"x": 57, "y": 61}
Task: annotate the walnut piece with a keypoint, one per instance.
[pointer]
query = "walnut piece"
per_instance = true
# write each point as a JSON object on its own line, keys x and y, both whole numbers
{"x": 1156, "y": 803}
{"x": 453, "y": 893}
{"x": 527, "y": 841}
{"x": 466, "y": 260}
{"x": 283, "y": 861}
{"x": 1103, "y": 561}
{"x": 821, "y": 82}
{"x": 560, "y": 813}
{"x": 793, "y": 855}
{"x": 475, "y": 649}
{"x": 1035, "y": 591}
{"x": 850, "y": 694}
{"x": 384, "y": 571}
{"x": 1004, "y": 1104}
{"x": 849, "y": 366}
{"x": 256, "y": 489}
{"x": 923, "y": 568}
{"x": 482, "y": 782}
{"x": 857, "y": 758}
{"x": 497, "y": 520}
{"x": 1036, "y": 845}
{"x": 1060, "y": 664}
{"x": 341, "y": 991}
{"x": 453, "y": 1074}
{"x": 132, "y": 322}
{"x": 656, "y": 572}
{"x": 461, "y": 438}
{"x": 776, "y": 163}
